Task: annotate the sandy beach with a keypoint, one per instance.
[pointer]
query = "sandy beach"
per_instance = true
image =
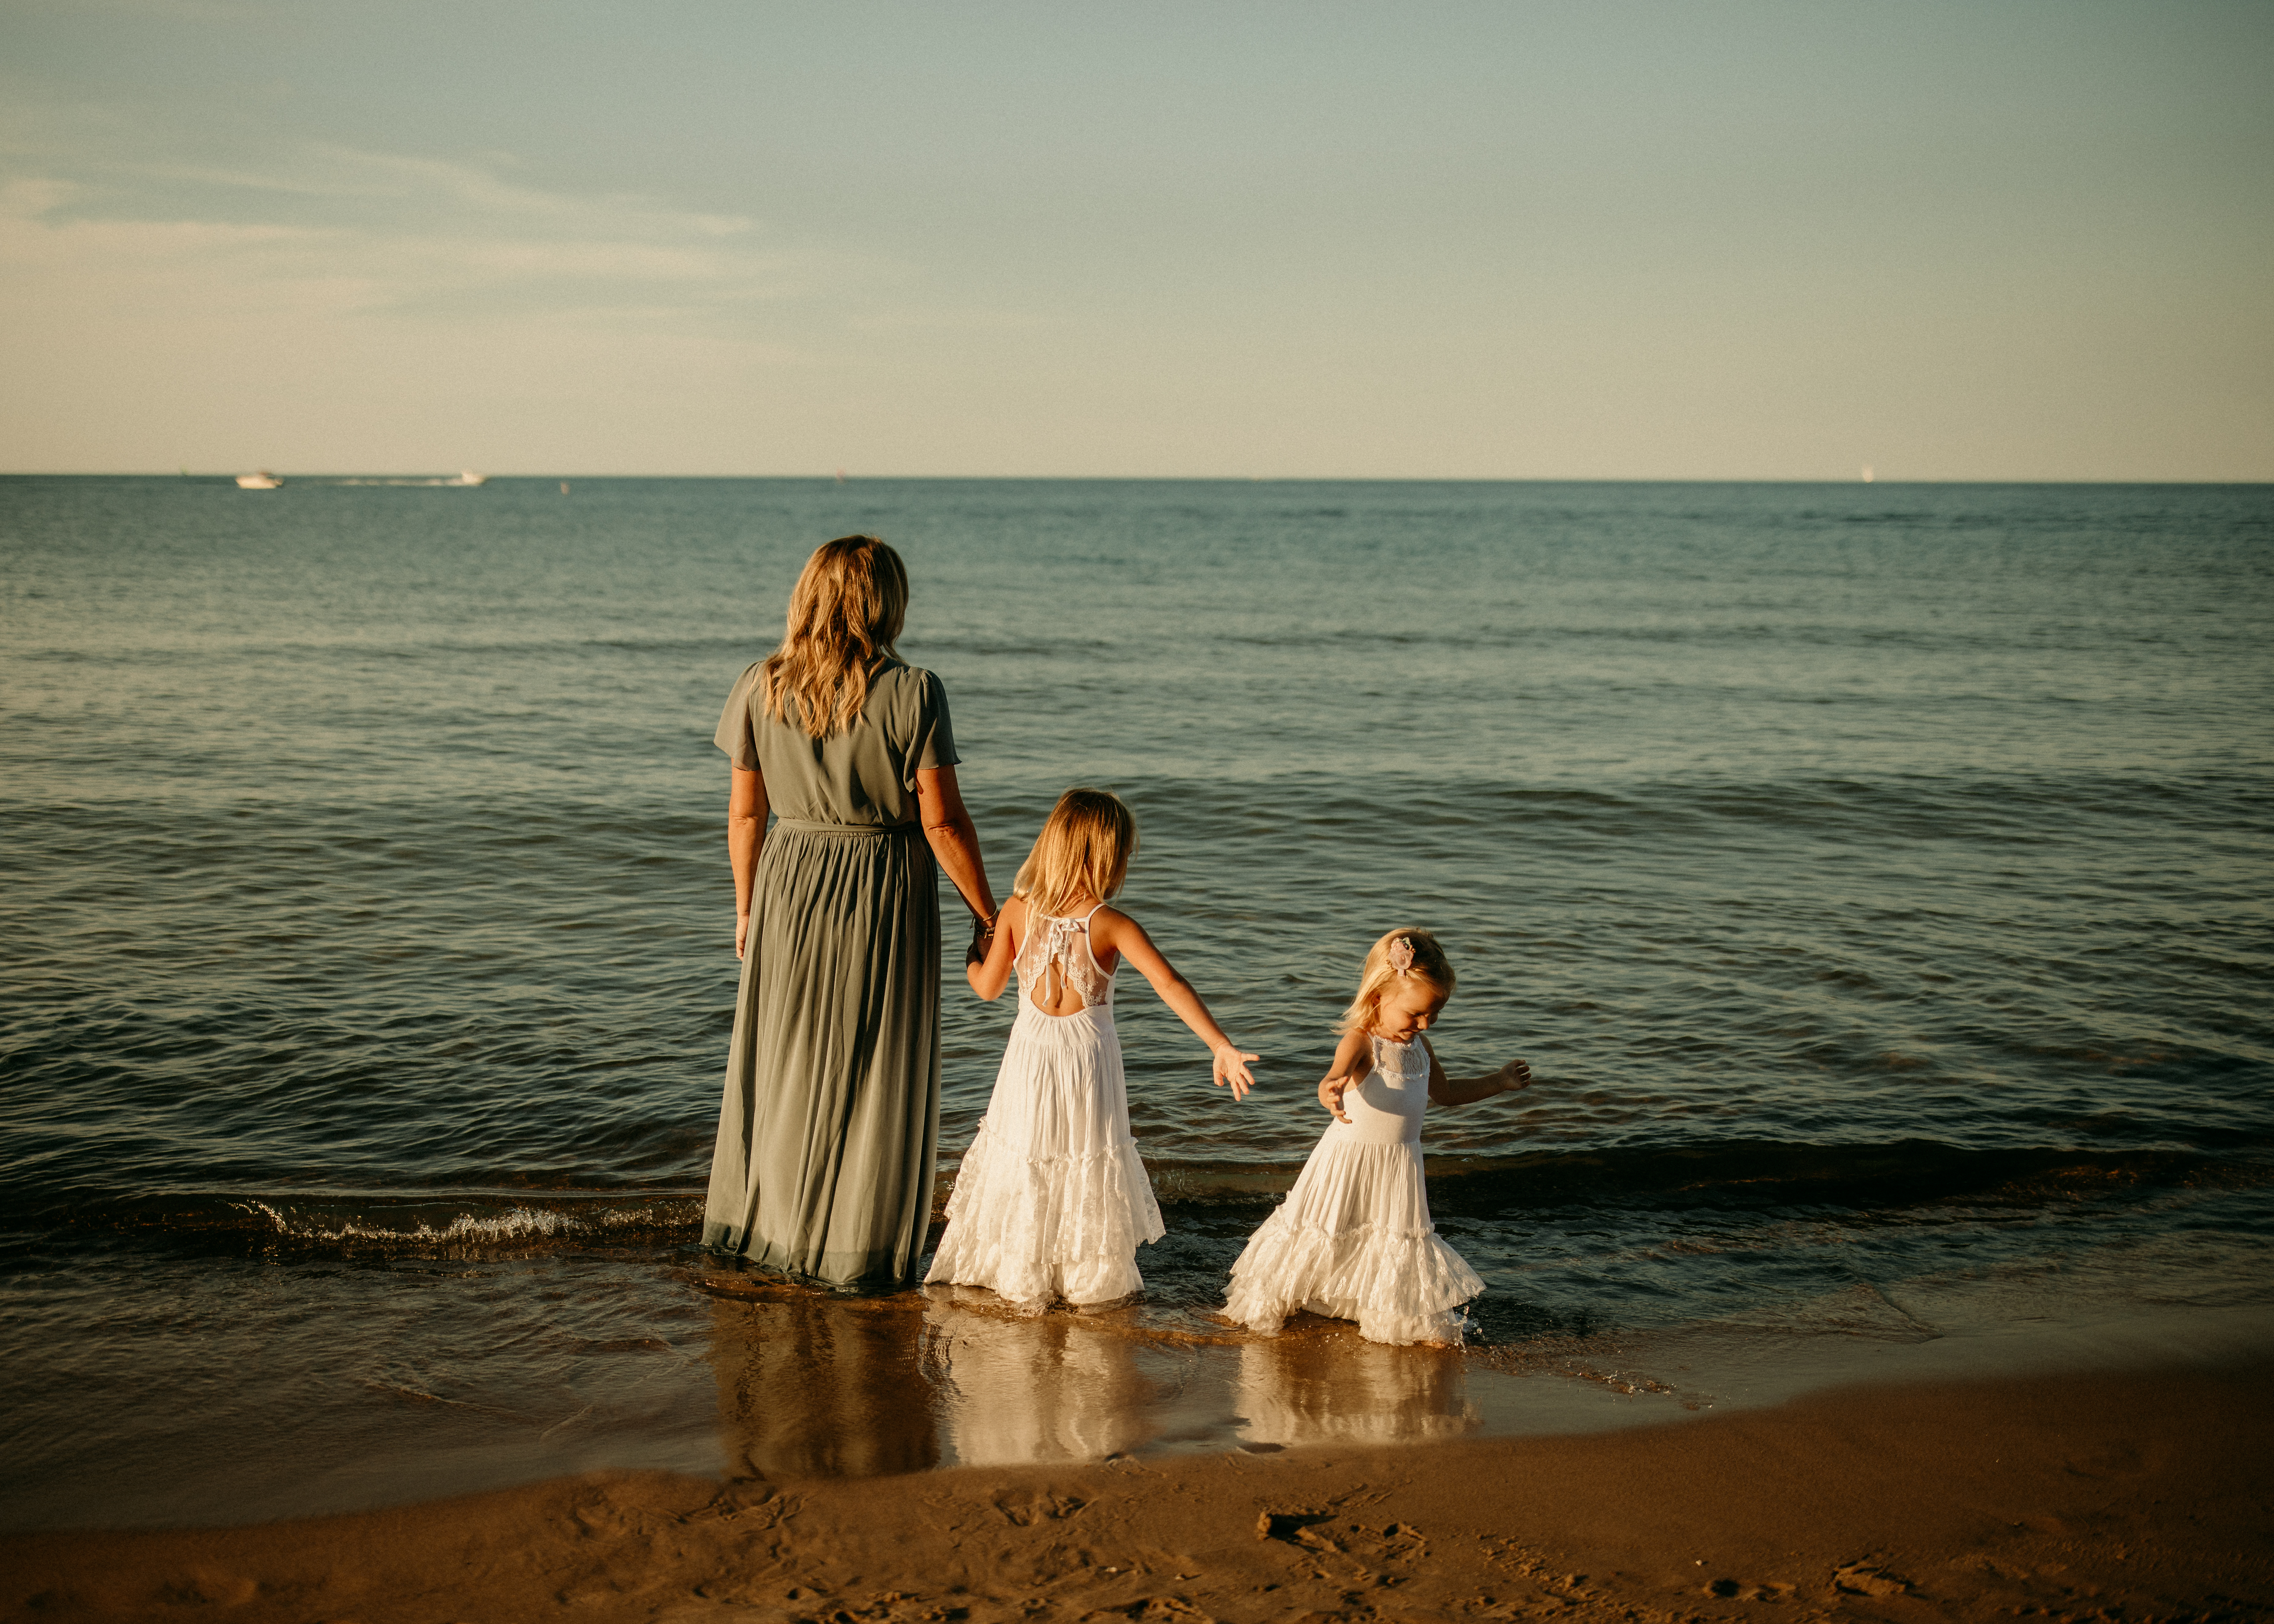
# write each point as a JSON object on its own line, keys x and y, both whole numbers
{"x": 2143, "y": 1495}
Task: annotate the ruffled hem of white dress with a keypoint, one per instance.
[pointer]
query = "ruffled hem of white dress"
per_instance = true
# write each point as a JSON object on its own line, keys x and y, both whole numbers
{"x": 1400, "y": 1287}
{"x": 1035, "y": 1229}
{"x": 1353, "y": 1240}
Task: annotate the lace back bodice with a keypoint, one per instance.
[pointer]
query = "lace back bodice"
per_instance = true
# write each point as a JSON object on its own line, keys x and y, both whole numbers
{"x": 1056, "y": 955}
{"x": 1403, "y": 1064}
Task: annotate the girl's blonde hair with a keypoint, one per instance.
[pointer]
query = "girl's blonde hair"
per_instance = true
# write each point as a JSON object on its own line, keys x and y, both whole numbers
{"x": 1085, "y": 845}
{"x": 845, "y": 613}
{"x": 1424, "y": 962}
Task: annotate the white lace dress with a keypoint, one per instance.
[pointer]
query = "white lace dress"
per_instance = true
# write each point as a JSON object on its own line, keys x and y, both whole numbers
{"x": 1052, "y": 1202}
{"x": 1353, "y": 1239}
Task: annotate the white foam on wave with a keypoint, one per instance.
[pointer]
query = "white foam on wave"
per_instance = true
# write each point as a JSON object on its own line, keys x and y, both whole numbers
{"x": 515, "y": 1223}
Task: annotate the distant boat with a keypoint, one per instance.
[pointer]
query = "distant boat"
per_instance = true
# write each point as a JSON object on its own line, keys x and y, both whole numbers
{"x": 262, "y": 481}
{"x": 466, "y": 476}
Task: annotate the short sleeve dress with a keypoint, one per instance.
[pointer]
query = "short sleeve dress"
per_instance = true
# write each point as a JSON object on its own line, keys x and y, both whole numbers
{"x": 826, "y": 1127}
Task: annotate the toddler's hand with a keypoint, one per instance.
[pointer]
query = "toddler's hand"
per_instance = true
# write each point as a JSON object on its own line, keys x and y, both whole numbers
{"x": 1331, "y": 1095}
{"x": 1515, "y": 1075}
{"x": 1232, "y": 1067}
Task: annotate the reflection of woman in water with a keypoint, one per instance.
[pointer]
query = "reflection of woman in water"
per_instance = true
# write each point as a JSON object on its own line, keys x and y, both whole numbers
{"x": 824, "y": 1161}
{"x": 1353, "y": 1239}
{"x": 813, "y": 1386}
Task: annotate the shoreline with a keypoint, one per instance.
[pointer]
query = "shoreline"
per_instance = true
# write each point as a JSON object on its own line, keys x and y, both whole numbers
{"x": 2138, "y": 1493}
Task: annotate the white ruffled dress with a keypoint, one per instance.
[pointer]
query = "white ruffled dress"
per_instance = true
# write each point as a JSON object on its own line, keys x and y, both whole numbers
{"x": 1052, "y": 1201}
{"x": 1353, "y": 1239}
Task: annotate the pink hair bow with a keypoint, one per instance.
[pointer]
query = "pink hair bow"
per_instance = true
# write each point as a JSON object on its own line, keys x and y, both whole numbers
{"x": 1401, "y": 954}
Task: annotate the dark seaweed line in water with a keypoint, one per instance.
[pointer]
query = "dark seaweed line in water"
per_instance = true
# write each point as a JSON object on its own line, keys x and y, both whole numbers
{"x": 1729, "y": 1176}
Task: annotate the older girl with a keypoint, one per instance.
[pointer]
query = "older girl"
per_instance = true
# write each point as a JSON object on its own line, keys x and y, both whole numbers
{"x": 1052, "y": 1202}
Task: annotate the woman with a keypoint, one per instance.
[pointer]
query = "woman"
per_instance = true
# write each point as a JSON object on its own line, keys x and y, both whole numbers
{"x": 823, "y": 1163}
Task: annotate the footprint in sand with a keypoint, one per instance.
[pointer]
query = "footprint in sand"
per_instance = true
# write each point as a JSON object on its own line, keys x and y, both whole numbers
{"x": 1738, "y": 1590}
{"x": 1026, "y": 1510}
{"x": 1327, "y": 1532}
{"x": 1151, "y": 1610}
{"x": 1292, "y": 1527}
{"x": 1863, "y": 1579}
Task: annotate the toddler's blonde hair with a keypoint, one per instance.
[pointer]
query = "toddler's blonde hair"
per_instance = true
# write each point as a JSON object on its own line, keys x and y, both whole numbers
{"x": 1085, "y": 845}
{"x": 1380, "y": 976}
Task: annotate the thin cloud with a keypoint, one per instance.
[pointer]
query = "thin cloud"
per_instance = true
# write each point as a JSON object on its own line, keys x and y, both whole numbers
{"x": 459, "y": 233}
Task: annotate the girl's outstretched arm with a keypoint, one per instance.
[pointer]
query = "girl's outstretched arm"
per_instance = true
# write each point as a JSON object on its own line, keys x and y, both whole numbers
{"x": 1353, "y": 1059}
{"x": 990, "y": 975}
{"x": 1125, "y": 935}
{"x": 1445, "y": 1090}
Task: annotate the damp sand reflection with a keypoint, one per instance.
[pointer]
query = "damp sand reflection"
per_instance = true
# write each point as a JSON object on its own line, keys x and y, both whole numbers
{"x": 817, "y": 1386}
{"x": 812, "y": 1385}
{"x": 1337, "y": 1389}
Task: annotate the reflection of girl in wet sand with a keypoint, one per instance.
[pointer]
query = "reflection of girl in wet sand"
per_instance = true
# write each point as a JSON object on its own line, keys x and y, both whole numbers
{"x": 1051, "y": 1200}
{"x": 1353, "y": 1239}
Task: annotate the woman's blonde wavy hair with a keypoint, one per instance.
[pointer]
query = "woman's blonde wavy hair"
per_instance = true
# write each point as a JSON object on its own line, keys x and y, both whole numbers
{"x": 845, "y": 613}
{"x": 1085, "y": 845}
{"x": 1375, "y": 982}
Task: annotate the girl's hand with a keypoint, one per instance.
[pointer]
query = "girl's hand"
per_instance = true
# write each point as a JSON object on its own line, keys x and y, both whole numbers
{"x": 1331, "y": 1090}
{"x": 983, "y": 939}
{"x": 1232, "y": 1067}
{"x": 1514, "y": 1076}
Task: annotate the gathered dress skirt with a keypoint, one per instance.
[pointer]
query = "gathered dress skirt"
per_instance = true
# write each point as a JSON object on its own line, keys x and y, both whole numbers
{"x": 823, "y": 1163}
{"x": 1052, "y": 1199}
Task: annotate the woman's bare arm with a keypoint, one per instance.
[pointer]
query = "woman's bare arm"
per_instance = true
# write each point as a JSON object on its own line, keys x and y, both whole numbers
{"x": 1115, "y": 929}
{"x": 745, "y": 833}
{"x": 954, "y": 841}
{"x": 1445, "y": 1090}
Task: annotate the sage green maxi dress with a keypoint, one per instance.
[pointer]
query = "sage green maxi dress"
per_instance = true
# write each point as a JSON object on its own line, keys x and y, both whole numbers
{"x": 826, "y": 1129}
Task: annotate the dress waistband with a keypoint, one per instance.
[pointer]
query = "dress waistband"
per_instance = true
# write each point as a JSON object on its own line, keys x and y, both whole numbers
{"x": 855, "y": 831}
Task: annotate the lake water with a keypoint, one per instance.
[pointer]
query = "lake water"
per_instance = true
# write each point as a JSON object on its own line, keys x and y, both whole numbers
{"x": 1876, "y": 877}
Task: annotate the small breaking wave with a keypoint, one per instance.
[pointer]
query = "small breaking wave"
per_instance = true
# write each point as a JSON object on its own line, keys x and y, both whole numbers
{"x": 429, "y": 1223}
{"x": 1755, "y": 1175}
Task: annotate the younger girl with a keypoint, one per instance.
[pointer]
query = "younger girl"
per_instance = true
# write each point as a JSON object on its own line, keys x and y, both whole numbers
{"x": 1353, "y": 1239}
{"x": 1051, "y": 1200}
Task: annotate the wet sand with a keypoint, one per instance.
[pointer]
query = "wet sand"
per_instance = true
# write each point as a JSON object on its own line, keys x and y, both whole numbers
{"x": 2143, "y": 1495}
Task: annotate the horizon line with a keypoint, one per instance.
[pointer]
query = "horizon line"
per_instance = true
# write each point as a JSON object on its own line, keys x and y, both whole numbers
{"x": 845, "y": 478}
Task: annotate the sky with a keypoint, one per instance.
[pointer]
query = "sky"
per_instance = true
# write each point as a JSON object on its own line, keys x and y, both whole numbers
{"x": 1710, "y": 239}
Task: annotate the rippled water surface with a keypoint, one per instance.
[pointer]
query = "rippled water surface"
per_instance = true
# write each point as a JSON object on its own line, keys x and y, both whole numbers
{"x": 1876, "y": 876}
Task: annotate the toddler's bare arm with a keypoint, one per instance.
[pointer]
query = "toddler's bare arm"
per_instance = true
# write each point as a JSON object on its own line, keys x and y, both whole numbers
{"x": 1445, "y": 1090}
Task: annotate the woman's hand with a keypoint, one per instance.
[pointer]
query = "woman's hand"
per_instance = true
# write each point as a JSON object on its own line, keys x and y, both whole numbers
{"x": 1230, "y": 1066}
{"x": 1331, "y": 1090}
{"x": 987, "y": 962}
{"x": 742, "y": 932}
